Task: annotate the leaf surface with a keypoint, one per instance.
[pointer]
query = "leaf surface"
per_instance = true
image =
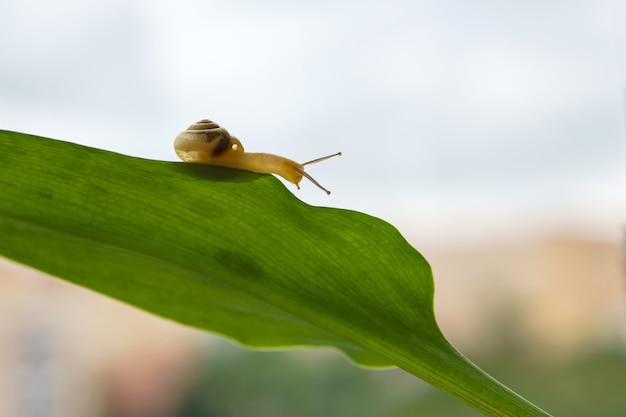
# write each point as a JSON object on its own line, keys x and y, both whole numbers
{"x": 234, "y": 253}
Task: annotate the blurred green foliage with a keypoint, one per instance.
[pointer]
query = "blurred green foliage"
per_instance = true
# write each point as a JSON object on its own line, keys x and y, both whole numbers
{"x": 241, "y": 383}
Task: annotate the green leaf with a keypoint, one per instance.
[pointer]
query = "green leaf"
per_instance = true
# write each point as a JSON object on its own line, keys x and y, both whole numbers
{"x": 234, "y": 253}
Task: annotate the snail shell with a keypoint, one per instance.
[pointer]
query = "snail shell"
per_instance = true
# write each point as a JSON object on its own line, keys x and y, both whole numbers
{"x": 205, "y": 142}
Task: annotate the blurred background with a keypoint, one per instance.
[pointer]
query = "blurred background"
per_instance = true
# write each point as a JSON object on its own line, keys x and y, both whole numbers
{"x": 491, "y": 134}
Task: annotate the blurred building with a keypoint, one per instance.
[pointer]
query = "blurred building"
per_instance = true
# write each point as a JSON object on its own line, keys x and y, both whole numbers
{"x": 556, "y": 296}
{"x": 67, "y": 351}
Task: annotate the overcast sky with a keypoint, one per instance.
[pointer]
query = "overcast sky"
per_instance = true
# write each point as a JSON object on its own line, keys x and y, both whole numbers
{"x": 456, "y": 119}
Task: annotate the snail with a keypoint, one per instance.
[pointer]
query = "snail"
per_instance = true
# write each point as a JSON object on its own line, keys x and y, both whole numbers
{"x": 205, "y": 142}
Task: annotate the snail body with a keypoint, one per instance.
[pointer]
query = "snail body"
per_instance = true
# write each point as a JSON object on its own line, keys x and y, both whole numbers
{"x": 205, "y": 142}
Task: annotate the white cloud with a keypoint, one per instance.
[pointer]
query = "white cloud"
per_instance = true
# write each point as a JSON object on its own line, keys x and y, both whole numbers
{"x": 425, "y": 99}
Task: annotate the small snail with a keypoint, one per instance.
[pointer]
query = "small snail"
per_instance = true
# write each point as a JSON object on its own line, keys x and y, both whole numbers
{"x": 206, "y": 142}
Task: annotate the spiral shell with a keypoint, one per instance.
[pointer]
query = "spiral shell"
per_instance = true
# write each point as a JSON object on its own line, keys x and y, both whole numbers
{"x": 207, "y": 131}
{"x": 205, "y": 140}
